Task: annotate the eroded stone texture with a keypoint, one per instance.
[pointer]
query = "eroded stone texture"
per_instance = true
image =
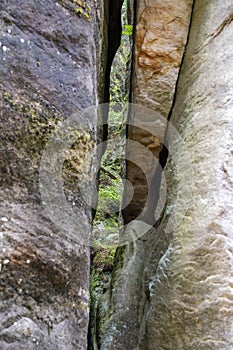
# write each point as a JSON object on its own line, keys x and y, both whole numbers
{"x": 48, "y": 72}
{"x": 160, "y": 38}
{"x": 161, "y": 34}
{"x": 191, "y": 291}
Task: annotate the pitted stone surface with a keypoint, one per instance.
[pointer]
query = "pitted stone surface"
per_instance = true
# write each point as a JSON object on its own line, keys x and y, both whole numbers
{"x": 48, "y": 71}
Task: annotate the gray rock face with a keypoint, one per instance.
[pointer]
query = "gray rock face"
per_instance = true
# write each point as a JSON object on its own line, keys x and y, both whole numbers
{"x": 191, "y": 290}
{"x": 172, "y": 288}
{"x": 48, "y": 71}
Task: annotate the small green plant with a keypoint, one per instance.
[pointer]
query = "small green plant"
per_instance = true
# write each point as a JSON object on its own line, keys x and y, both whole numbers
{"x": 128, "y": 30}
{"x": 111, "y": 193}
{"x": 85, "y": 15}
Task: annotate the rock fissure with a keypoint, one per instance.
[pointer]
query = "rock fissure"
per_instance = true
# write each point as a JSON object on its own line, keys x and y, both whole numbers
{"x": 153, "y": 85}
{"x": 164, "y": 153}
{"x": 170, "y": 286}
{"x": 100, "y": 253}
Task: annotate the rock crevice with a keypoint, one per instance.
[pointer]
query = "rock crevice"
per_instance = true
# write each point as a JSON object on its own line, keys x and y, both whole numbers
{"x": 49, "y": 69}
{"x": 156, "y": 64}
{"x": 173, "y": 288}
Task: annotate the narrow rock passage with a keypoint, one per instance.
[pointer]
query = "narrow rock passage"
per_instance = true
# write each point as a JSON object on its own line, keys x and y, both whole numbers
{"x": 160, "y": 37}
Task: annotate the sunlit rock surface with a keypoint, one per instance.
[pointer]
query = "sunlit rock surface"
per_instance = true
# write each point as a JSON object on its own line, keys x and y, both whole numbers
{"x": 191, "y": 291}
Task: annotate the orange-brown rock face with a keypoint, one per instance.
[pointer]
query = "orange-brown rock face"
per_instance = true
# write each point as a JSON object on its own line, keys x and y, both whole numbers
{"x": 161, "y": 34}
{"x": 160, "y": 38}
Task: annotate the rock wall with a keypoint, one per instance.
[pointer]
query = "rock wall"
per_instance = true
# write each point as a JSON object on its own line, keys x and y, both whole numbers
{"x": 172, "y": 288}
{"x": 190, "y": 303}
{"x": 160, "y": 37}
{"x": 49, "y": 62}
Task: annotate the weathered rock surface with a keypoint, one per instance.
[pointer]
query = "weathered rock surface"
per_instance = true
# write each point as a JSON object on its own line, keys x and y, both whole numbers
{"x": 160, "y": 38}
{"x": 48, "y": 71}
{"x": 161, "y": 34}
{"x": 172, "y": 289}
{"x": 191, "y": 291}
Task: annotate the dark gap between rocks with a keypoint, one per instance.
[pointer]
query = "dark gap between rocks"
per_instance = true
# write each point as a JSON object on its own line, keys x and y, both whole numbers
{"x": 102, "y": 257}
{"x": 116, "y": 91}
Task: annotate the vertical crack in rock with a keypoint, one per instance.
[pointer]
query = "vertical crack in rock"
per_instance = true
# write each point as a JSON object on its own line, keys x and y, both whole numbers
{"x": 160, "y": 38}
{"x": 111, "y": 43}
{"x": 164, "y": 153}
{"x": 114, "y": 29}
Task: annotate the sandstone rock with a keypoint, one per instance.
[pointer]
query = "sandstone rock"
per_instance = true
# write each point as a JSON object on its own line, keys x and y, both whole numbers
{"x": 173, "y": 288}
{"x": 191, "y": 290}
{"x": 160, "y": 38}
{"x": 161, "y": 34}
{"x": 48, "y": 72}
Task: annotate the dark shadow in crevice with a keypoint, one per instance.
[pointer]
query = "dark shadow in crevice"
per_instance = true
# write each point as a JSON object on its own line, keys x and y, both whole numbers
{"x": 113, "y": 14}
{"x": 155, "y": 185}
